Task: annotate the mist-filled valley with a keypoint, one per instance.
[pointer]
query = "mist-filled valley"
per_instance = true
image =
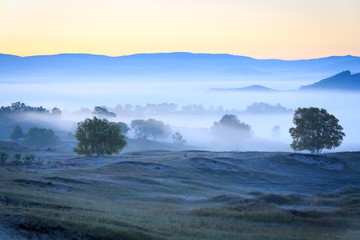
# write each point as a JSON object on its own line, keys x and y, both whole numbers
{"x": 190, "y": 108}
{"x": 179, "y": 146}
{"x": 189, "y": 91}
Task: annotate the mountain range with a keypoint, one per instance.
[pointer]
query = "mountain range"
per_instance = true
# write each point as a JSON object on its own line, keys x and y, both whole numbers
{"x": 168, "y": 67}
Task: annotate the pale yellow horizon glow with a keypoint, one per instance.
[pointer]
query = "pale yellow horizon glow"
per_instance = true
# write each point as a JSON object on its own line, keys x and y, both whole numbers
{"x": 283, "y": 29}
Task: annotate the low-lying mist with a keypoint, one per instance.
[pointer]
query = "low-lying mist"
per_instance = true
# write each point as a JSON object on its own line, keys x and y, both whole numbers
{"x": 77, "y": 102}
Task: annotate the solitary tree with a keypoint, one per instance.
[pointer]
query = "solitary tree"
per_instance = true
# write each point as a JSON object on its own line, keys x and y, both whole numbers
{"x": 231, "y": 128}
{"x": 315, "y": 130}
{"x": 100, "y": 137}
{"x": 275, "y": 131}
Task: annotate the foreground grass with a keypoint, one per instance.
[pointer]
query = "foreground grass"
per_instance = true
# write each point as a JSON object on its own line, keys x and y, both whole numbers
{"x": 123, "y": 202}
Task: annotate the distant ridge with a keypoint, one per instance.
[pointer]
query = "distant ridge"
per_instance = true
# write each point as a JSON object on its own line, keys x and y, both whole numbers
{"x": 257, "y": 88}
{"x": 341, "y": 81}
{"x": 252, "y": 88}
{"x": 167, "y": 67}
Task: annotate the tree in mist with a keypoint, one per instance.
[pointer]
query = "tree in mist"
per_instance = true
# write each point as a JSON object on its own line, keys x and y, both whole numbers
{"x": 151, "y": 127}
{"x": 100, "y": 137}
{"x": 265, "y": 108}
{"x": 19, "y": 107}
{"x": 157, "y": 129}
{"x": 193, "y": 109}
{"x": 231, "y": 128}
{"x": 56, "y": 112}
{"x": 163, "y": 108}
{"x": 17, "y": 133}
{"x": 178, "y": 138}
{"x": 40, "y": 137}
{"x": 124, "y": 128}
{"x": 103, "y": 112}
{"x": 139, "y": 127}
{"x": 315, "y": 130}
{"x": 275, "y": 131}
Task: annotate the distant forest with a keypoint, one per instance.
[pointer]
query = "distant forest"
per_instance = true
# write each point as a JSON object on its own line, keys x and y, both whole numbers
{"x": 148, "y": 109}
{"x": 172, "y": 108}
{"x": 19, "y": 107}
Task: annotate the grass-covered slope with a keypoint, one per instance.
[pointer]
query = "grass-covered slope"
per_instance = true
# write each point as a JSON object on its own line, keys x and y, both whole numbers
{"x": 185, "y": 195}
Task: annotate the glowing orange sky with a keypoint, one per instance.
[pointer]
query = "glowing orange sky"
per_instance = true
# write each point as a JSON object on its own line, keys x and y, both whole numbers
{"x": 286, "y": 29}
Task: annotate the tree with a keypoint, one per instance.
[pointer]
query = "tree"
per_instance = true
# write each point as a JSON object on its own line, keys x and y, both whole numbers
{"x": 275, "y": 131}
{"x": 40, "y": 137}
{"x": 157, "y": 129}
{"x": 124, "y": 128}
{"x": 19, "y": 107}
{"x": 100, "y": 137}
{"x": 315, "y": 130}
{"x": 56, "y": 111}
{"x": 103, "y": 112}
{"x": 265, "y": 108}
{"x": 231, "y": 128}
{"x": 17, "y": 133}
{"x": 178, "y": 138}
{"x": 139, "y": 127}
{"x": 151, "y": 127}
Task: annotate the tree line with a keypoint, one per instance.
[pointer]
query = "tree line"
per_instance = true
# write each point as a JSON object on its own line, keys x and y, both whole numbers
{"x": 172, "y": 108}
{"x": 19, "y": 107}
{"x": 315, "y": 129}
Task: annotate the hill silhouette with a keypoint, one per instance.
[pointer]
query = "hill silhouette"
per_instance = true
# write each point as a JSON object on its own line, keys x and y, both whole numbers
{"x": 342, "y": 81}
{"x": 252, "y": 88}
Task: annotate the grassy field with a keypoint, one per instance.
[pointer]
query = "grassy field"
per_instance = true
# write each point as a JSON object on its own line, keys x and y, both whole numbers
{"x": 184, "y": 195}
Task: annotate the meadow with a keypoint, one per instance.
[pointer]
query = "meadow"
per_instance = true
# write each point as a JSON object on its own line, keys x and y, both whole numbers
{"x": 181, "y": 195}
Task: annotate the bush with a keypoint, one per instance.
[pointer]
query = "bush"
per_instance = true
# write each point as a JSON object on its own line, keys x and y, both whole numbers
{"x": 3, "y": 157}
{"x": 29, "y": 160}
{"x": 17, "y": 157}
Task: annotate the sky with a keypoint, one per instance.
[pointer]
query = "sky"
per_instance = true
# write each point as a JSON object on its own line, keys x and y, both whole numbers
{"x": 282, "y": 29}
